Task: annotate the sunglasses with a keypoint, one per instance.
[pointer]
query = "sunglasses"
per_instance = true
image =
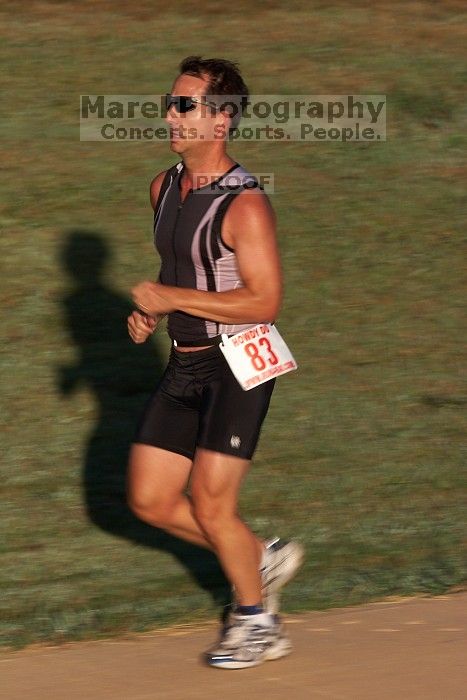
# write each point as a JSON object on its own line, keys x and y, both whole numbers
{"x": 184, "y": 104}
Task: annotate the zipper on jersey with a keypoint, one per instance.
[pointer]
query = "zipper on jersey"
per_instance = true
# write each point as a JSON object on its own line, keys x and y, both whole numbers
{"x": 179, "y": 208}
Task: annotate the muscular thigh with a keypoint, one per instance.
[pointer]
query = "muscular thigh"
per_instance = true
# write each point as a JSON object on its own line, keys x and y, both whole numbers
{"x": 231, "y": 418}
{"x": 170, "y": 419}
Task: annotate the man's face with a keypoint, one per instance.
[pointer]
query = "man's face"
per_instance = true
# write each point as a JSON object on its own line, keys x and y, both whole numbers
{"x": 195, "y": 128}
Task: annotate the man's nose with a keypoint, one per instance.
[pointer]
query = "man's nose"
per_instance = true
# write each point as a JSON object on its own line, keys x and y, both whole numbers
{"x": 171, "y": 115}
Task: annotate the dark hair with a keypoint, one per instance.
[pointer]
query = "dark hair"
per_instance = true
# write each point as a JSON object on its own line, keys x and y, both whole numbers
{"x": 224, "y": 78}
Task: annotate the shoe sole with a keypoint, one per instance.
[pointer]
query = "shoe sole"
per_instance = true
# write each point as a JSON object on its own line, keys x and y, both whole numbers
{"x": 272, "y": 598}
{"x": 274, "y": 586}
{"x": 295, "y": 560}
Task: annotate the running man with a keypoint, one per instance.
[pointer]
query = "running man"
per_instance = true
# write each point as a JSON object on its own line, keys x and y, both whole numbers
{"x": 220, "y": 274}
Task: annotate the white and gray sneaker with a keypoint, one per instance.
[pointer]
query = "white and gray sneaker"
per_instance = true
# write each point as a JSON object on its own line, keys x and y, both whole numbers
{"x": 248, "y": 641}
{"x": 282, "y": 560}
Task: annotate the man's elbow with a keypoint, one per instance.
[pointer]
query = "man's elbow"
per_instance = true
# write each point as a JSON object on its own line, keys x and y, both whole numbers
{"x": 271, "y": 314}
{"x": 269, "y": 309}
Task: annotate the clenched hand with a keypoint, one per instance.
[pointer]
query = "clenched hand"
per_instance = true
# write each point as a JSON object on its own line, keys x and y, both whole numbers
{"x": 141, "y": 326}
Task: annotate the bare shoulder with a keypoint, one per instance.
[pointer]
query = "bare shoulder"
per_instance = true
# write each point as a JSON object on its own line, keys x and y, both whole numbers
{"x": 155, "y": 188}
{"x": 250, "y": 212}
{"x": 251, "y": 203}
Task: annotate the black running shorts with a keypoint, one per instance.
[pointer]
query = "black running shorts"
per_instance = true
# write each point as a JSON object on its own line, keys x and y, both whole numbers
{"x": 199, "y": 403}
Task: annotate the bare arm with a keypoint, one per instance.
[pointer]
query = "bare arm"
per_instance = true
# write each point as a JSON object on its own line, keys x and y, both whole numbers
{"x": 250, "y": 228}
{"x": 155, "y": 188}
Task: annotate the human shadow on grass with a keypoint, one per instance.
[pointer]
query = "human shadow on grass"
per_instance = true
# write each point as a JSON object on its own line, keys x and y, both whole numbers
{"x": 122, "y": 376}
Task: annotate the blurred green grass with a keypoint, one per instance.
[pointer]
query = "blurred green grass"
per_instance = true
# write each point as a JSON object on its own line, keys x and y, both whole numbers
{"x": 363, "y": 453}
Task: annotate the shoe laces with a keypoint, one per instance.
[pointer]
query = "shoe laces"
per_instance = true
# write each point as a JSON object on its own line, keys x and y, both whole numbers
{"x": 244, "y": 628}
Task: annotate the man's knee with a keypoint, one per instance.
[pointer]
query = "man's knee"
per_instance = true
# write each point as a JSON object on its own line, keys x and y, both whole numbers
{"x": 213, "y": 518}
{"x": 150, "y": 508}
{"x": 155, "y": 483}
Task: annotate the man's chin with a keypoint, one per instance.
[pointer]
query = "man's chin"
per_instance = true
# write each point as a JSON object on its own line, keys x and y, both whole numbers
{"x": 177, "y": 145}
{"x": 184, "y": 145}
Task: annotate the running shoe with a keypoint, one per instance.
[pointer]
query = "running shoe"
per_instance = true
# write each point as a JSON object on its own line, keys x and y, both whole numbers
{"x": 248, "y": 641}
{"x": 282, "y": 560}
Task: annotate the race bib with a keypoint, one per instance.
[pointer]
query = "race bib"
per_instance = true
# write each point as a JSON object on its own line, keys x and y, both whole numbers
{"x": 257, "y": 355}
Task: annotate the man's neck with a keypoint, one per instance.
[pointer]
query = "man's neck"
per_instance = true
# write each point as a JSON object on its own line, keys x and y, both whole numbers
{"x": 209, "y": 167}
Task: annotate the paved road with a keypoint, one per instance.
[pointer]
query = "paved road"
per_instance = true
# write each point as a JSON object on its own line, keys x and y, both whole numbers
{"x": 411, "y": 649}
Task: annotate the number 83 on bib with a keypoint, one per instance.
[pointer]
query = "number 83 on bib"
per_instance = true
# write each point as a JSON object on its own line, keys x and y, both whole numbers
{"x": 257, "y": 355}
